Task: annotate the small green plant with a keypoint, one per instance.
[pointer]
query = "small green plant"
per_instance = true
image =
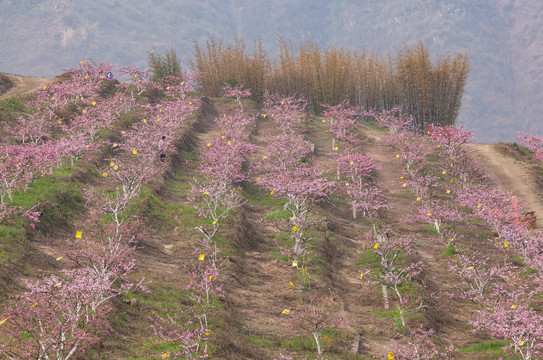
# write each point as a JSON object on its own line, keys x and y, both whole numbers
{"x": 449, "y": 252}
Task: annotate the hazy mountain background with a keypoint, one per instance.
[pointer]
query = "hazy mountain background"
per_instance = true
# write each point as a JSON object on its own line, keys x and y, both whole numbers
{"x": 503, "y": 37}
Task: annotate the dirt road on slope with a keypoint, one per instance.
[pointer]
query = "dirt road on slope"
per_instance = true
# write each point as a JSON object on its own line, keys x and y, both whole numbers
{"x": 23, "y": 85}
{"x": 511, "y": 175}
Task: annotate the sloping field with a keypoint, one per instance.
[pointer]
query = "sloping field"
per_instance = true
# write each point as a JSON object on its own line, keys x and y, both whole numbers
{"x": 261, "y": 299}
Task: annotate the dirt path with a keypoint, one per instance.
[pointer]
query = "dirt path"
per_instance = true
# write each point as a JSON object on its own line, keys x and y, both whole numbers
{"x": 510, "y": 175}
{"x": 23, "y": 85}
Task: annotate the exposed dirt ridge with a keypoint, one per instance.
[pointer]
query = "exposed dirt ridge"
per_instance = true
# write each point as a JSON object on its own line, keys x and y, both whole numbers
{"x": 509, "y": 174}
{"x": 23, "y": 85}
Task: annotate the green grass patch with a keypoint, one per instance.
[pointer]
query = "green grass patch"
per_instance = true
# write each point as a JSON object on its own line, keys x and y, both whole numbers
{"x": 191, "y": 156}
{"x": 517, "y": 260}
{"x": 261, "y": 341}
{"x": 253, "y": 193}
{"x": 164, "y": 299}
{"x": 488, "y": 347}
{"x": 393, "y": 314}
{"x": 449, "y": 252}
{"x": 306, "y": 344}
{"x": 277, "y": 215}
{"x": 529, "y": 272}
{"x": 152, "y": 349}
{"x": 13, "y": 104}
{"x": 388, "y": 314}
{"x": 44, "y": 188}
{"x": 431, "y": 229}
{"x": 57, "y": 198}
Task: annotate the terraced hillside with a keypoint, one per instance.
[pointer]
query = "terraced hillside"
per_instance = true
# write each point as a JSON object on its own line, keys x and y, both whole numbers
{"x": 248, "y": 226}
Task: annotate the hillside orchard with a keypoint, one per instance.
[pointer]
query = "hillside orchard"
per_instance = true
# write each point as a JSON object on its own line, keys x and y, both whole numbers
{"x": 341, "y": 243}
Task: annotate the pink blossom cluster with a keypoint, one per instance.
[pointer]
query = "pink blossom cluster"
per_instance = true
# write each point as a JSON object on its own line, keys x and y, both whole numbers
{"x": 357, "y": 179}
{"x": 343, "y": 120}
{"x": 285, "y": 169}
{"x": 60, "y": 315}
{"x": 419, "y": 345}
{"x": 236, "y": 91}
{"x": 395, "y": 119}
{"x": 534, "y": 143}
{"x": 316, "y": 322}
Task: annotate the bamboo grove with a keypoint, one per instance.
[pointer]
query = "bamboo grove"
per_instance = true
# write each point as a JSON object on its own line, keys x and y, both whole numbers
{"x": 430, "y": 91}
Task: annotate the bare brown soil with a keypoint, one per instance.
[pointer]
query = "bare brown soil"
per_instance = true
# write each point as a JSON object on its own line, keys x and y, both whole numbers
{"x": 511, "y": 174}
{"x": 23, "y": 85}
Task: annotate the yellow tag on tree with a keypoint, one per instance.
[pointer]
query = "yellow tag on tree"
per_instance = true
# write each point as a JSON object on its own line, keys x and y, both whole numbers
{"x": 78, "y": 234}
{"x": 201, "y": 257}
{"x": 3, "y": 321}
{"x": 286, "y": 311}
{"x": 506, "y": 244}
{"x": 134, "y": 151}
{"x": 294, "y": 228}
{"x": 376, "y": 246}
{"x": 294, "y": 263}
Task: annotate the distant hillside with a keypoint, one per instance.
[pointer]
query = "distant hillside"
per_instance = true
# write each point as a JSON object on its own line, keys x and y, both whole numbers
{"x": 503, "y": 95}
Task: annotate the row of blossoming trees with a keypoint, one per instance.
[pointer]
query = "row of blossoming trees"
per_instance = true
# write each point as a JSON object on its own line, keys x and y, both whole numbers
{"x": 447, "y": 189}
{"x": 61, "y": 314}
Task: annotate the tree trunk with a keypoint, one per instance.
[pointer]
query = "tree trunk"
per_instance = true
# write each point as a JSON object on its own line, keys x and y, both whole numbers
{"x": 385, "y": 296}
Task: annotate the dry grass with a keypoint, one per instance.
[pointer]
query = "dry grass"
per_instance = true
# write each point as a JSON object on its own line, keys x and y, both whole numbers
{"x": 430, "y": 91}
